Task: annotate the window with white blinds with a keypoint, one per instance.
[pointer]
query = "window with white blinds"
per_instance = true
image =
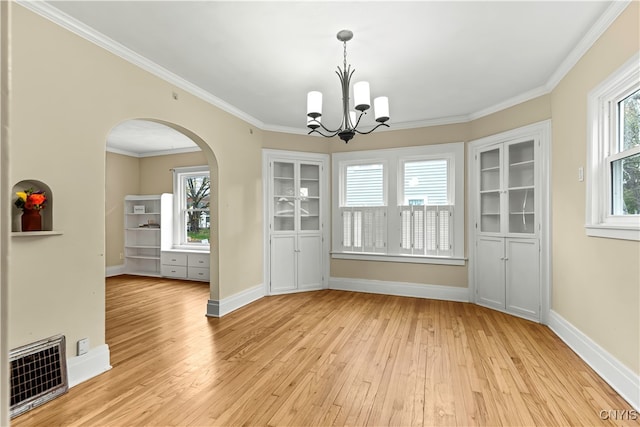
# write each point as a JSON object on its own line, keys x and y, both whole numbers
{"x": 425, "y": 182}
{"x": 364, "y": 185}
{"x": 400, "y": 203}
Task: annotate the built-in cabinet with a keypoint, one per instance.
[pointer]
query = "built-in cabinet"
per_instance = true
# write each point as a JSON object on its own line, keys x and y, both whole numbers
{"x": 296, "y": 208}
{"x": 507, "y": 222}
{"x": 185, "y": 265}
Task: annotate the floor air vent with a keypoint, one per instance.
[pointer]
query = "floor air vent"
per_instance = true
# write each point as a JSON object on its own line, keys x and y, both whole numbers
{"x": 38, "y": 373}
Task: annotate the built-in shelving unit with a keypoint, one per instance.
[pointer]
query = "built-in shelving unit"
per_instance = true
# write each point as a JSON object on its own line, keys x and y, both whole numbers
{"x": 142, "y": 230}
{"x": 506, "y": 264}
{"x": 295, "y": 206}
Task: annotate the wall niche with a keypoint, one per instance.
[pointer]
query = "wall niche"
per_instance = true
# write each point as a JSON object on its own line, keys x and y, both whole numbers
{"x": 46, "y": 213}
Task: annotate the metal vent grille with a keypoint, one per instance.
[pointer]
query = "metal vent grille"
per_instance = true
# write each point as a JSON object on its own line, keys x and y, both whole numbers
{"x": 38, "y": 373}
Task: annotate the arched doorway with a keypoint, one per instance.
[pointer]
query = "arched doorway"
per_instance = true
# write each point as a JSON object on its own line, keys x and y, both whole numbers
{"x": 145, "y": 151}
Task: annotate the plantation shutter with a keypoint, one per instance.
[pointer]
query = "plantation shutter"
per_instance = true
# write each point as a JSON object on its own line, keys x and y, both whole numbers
{"x": 445, "y": 230}
{"x": 364, "y": 229}
{"x": 426, "y": 230}
{"x": 431, "y": 230}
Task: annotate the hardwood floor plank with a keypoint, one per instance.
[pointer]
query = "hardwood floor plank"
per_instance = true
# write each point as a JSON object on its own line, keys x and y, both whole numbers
{"x": 326, "y": 358}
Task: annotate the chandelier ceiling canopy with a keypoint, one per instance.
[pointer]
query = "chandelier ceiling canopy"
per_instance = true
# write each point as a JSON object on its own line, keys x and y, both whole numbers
{"x": 361, "y": 101}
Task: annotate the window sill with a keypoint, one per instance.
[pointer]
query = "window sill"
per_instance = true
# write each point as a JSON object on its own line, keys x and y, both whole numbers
{"x": 415, "y": 259}
{"x": 611, "y": 231}
{"x": 189, "y": 249}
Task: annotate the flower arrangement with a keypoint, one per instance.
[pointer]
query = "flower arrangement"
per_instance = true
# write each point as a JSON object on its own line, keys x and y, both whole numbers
{"x": 29, "y": 199}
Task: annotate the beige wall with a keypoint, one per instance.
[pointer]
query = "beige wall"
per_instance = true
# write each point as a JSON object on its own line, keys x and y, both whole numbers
{"x": 156, "y": 176}
{"x": 596, "y": 281}
{"x": 122, "y": 178}
{"x": 67, "y": 95}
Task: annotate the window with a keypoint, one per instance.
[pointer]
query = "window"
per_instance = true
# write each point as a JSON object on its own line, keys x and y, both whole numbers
{"x": 400, "y": 204}
{"x": 192, "y": 199}
{"x": 613, "y": 190}
{"x": 363, "y": 206}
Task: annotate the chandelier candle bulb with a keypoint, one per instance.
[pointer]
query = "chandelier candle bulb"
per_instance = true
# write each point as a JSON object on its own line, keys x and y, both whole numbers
{"x": 314, "y": 104}
{"x": 361, "y": 97}
{"x": 381, "y": 108}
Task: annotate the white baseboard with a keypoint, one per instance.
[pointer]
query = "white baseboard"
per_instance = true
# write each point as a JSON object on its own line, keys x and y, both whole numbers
{"x": 617, "y": 375}
{"x": 417, "y": 290}
{"x": 115, "y": 270}
{"x": 89, "y": 365}
{"x": 234, "y": 302}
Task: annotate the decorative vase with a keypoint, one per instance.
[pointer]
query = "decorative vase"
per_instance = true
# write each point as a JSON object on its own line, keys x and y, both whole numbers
{"x": 31, "y": 220}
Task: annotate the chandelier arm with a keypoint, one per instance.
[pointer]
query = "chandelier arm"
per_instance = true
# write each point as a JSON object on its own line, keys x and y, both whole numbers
{"x": 331, "y": 132}
{"x": 369, "y": 131}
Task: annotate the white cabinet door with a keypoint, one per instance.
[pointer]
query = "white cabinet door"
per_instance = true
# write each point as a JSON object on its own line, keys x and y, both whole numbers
{"x": 490, "y": 271}
{"x": 283, "y": 263}
{"x": 523, "y": 278}
{"x": 309, "y": 261}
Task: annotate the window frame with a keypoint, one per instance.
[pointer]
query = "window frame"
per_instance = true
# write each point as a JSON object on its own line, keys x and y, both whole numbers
{"x": 179, "y": 208}
{"x": 394, "y": 160}
{"x": 604, "y": 130}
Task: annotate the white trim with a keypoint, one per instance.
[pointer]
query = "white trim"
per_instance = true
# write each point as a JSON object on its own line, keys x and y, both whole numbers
{"x": 601, "y": 140}
{"x": 58, "y": 17}
{"x": 227, "y": 305}
{"x": 115, "y": 270}
{"x": 615, "y": 373}
{"x": 589, "y": 39}
{"x": 89, "y": 365}
{"x": 153, "y": 153}
{"x": 415, "y": 259}
{"x": 402, "y": 289}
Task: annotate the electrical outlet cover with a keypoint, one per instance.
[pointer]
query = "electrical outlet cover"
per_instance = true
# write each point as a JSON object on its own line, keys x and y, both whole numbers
{"x": 83, "y": 346}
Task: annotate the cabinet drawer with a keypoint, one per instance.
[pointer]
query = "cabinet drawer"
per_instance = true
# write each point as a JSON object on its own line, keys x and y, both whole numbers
{"x": 173, "y": 258}
{"x": 176, "y": 271}
{"x": 197, "y": 273}
{"x": 198, "y": 260}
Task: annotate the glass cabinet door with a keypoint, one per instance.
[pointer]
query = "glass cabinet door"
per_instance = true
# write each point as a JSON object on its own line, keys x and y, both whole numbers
{"x": 296, "y": 196}
{"x": 284, "y": 201}
{"x": 309, "y": 196}
{"x": 490, "y": 177}
{"x": 521, "y": 187}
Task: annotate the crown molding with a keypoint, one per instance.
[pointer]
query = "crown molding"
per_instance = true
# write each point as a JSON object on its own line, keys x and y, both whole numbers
{"x": 594, "y": 33}
{"x": 152, "y": 153}
{"x": 51, "y": 13}
{"x": 62, "y": 19}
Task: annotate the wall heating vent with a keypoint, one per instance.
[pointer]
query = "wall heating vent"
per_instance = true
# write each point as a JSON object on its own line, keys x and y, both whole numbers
{"x": 38, "y": 373}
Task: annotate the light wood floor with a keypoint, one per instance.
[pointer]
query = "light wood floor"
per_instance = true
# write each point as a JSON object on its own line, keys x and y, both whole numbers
{"x": 326, "y": 358}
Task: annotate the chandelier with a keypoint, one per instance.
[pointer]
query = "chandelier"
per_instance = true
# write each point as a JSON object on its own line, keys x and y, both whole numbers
{"x": 361, "y": 98}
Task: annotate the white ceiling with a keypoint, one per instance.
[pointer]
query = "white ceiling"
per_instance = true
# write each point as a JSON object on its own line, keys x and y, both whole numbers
{"x": 438, "y": 62}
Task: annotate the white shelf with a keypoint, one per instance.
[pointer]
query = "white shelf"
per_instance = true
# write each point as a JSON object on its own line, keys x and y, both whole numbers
{"x": 525, "y": 163}
{"x": 142, "y": 244}
{"x": 142, "y": 257}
